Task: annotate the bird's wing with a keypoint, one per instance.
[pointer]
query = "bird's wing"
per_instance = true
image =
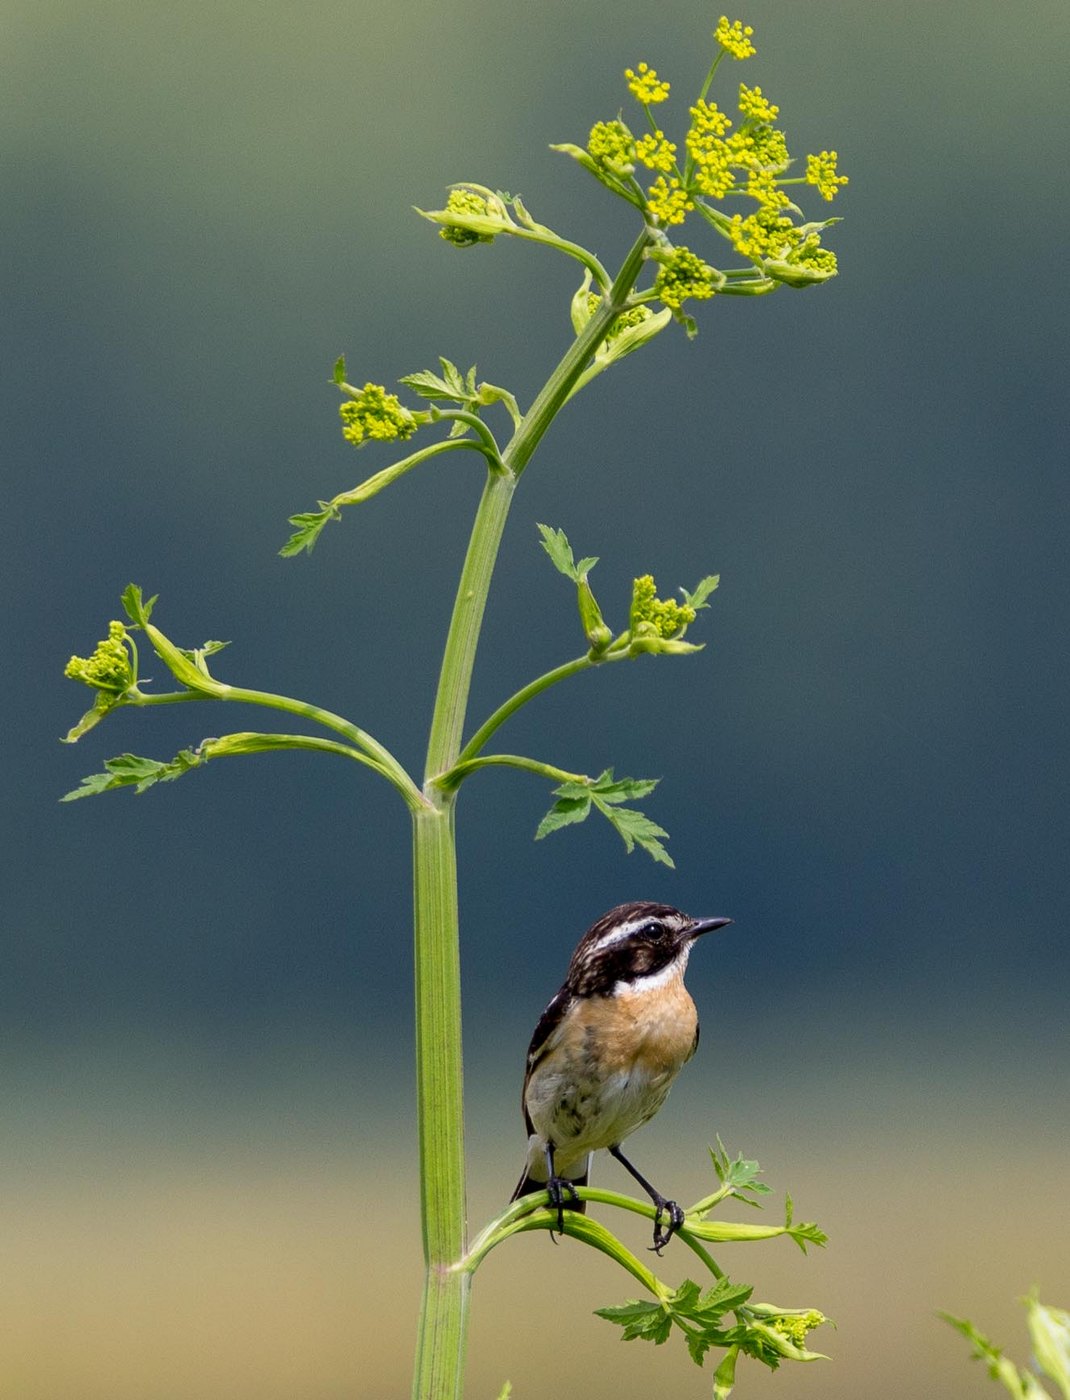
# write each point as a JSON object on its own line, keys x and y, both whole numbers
{"x": 544, "y": 1039}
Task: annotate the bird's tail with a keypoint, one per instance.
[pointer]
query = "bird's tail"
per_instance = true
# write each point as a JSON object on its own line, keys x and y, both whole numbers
{"x": 534, "y": 1179}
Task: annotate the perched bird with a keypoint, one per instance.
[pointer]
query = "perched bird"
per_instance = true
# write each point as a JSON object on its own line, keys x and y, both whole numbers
{"x": 607, "y": 1049}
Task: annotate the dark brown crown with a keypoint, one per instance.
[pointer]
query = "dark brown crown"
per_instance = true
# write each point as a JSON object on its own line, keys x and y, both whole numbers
{"x": 633, "y": 940}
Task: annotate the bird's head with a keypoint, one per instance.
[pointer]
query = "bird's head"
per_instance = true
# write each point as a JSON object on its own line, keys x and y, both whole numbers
{"x": 635, "y": 942}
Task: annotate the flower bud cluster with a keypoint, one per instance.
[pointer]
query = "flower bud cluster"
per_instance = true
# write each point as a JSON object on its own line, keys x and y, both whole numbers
{"x": 373, "y": 414}
{"x": 656, "y": 620}
{"x": 110, "y": 667}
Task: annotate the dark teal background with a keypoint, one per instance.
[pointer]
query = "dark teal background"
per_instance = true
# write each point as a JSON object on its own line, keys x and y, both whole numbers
{"x": 205, "y": 991}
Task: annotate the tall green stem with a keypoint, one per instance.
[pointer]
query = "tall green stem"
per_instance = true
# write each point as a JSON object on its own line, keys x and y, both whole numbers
{"x": 440, "y": 1106}
{"x": 440, "y": 1101}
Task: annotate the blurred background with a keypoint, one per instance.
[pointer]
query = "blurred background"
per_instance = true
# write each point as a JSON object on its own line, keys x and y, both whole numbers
{"x": 208, "y": 1149}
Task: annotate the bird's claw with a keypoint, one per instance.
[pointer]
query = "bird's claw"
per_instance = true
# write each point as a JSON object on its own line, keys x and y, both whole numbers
{"x": 558, "y": 1188}
{"x": 662, "y": 1236}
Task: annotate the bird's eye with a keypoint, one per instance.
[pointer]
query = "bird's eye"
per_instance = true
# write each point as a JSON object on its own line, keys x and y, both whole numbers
{"x": 652, "y": 929}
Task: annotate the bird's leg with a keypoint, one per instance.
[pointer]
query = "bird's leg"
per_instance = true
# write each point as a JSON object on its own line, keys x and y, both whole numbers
{"x": 558, "y": 1188}
{"x": 662, "y": 1205}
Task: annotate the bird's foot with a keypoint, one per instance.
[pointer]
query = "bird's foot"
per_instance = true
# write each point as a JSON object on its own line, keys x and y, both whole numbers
{"x": 662, "y": 1236}
{"x": 560, "y": 1189}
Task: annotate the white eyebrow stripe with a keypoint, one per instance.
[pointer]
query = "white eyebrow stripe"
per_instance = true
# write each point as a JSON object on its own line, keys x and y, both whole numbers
{"x": 617, "y": 935}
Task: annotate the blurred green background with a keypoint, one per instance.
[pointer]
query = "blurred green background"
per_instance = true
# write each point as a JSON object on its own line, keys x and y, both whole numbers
{"x": 207, "y": 1153}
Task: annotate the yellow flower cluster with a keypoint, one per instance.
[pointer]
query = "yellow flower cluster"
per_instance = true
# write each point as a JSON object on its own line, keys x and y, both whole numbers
{"x": 684, "y": 275}
{"x": 612, "y": 144}
{"x": 763, "y": 234}
{"x": 645, "y": 85}
{"x": 707, "y": 121}
{"x": 821, "y": 171}
{"x": 762, "y": 186}
{"x": 735, "y": 38}
{"x": 109, "y": 667}
{"x": 465, "y": 202}
{"x": 795, "y": 1327}
{"x": 668, "y": 201}
{"x": 767, "y": 236}
{"x": 376, "y": 415}
{"x": 753, "y": 105}
{"x": 667, "y": 617}
{"x": 656, "y": 152}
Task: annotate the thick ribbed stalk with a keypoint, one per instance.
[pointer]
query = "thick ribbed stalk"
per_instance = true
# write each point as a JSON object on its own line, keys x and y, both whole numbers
{"x": 440, "y": 1352}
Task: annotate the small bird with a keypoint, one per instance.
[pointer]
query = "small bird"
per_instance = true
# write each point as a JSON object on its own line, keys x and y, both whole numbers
{"x": 607, "y": 1049}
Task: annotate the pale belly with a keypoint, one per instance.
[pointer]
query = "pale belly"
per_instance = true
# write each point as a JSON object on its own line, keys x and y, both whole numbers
{"x": 611, "y": 1072}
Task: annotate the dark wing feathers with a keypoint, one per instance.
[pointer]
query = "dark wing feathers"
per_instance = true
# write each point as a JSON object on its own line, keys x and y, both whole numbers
{"x": 549, "y": 1021}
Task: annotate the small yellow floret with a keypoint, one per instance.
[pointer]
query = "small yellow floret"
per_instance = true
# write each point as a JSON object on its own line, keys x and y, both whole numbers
{"x": 821, "y": 171}
{"x": 707, "y": 122}
{"x": 735, "y": 38}
{"x": 656, "y": 152}
{"x": 668, "y": 201}
{"x": 752, "y": 104}
{"x": 762, "y": 186}
{"x": 645, "y": 85}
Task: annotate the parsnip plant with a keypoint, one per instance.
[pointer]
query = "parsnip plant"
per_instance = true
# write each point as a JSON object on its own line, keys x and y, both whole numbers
{"x": 730, "y": 176}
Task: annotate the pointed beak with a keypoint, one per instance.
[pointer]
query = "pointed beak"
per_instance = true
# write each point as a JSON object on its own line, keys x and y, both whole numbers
{"x": 701, "y": 926}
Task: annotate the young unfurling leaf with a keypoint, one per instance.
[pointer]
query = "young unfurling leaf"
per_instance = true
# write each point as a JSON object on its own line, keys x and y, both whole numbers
{"x": 309, "y": 525}
{"x": 129, "y": 770}
{"x": 556, "y": 544}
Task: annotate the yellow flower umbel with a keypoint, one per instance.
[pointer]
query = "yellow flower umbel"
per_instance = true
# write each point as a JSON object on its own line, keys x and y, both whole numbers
{"x": 753, "y": 105}
{"x": 684, "y": 275}
{"x": 645, "y": 85}
{"x": 821, "y": 171}
{"x": 611, "y": 144}
{"x": 668, "y": 201}
{"x": 735, "y": 38}
{"x": 110, "y": 668}
{"x": 375, "y": 415}
{"x": 656, "y": 152}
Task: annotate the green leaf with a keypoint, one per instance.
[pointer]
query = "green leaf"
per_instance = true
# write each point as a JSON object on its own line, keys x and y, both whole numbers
{"x": 506, "y": 1391}
{"x": 698, "y": 1344}
{"x": 451, "y": 384}
{"x": 635, "y": 829}
{"x": 565, "y": 812}
{"x": 136, "y": 609}
{"x": 704, "y": 588}
{"x": 739, "y": 1175}
{"x": 430, "y": 386}
{"x": 339, "y": 373}
{"x": 607, "y": 793}
{"x": 556, "y": 544}
{"x": 724, "y": 1296}
{"x": 129, "y": 770}
{"x": 308, "y": 529}
{"x": 647, "y": 1321}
